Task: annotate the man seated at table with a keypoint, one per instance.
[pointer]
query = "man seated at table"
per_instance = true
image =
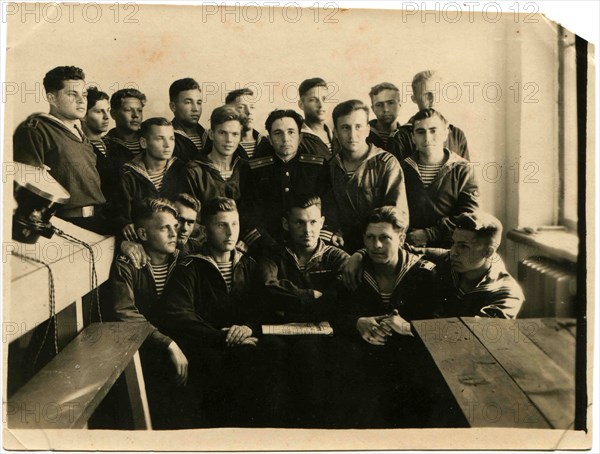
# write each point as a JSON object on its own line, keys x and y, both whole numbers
{"x": 134, "y": 294}
{"x": 474, "y": 280}
{"x": 297, "y": 278}
{"x": 397, "y": 286}
{"x": 209, "y": 307}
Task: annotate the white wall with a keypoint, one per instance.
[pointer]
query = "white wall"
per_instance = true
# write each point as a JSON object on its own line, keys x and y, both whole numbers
{"x": 360, "y": 50}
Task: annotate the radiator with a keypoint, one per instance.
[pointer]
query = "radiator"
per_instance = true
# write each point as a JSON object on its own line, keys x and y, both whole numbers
{"x": 550, "y": 288}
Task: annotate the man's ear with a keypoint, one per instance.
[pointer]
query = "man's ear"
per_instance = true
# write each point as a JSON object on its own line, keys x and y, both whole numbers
{"x": 112, "y": 114}
{"x": 413, "y": 99}
{"x": 141, "y": 233}
{"x": 172, "y": 106}
{"x": 285, "y": 224}
{"x": 402, "y": 238}
{"x": 51, "y": 97}
{"x": 143, "y": 142}
{"x": 269, "y": 139}
{"x": 301, "y": 104}
{"x": 322, "y": 222}
{"x": 211, "y": 134}
{"x": 335, "y": 134}
{"x": 489, "y": 252}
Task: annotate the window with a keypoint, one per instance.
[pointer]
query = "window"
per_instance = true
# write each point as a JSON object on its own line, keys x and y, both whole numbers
{"x": 567, "y": 132}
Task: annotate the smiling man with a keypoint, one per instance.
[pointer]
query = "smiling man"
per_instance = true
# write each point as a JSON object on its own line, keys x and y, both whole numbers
{"x": 223, "y": 171}
{"x": 397, "y": 287}
{"x": 56, "y": 140}
{"x": 427, "y": 89}
{"x": 153, "y": 173}
{"x": 362, "y": 176}
{"x": 440, "y": 185}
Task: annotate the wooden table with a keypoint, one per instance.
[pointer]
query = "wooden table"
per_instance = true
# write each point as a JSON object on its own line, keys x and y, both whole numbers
{"x": 507, "y": 373}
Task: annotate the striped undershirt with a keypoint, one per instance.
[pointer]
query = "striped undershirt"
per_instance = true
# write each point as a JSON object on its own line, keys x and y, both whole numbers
{"x": 134, "y": 146}
{"x": 249, "y": 147}
{"x": 197, "y": 140}
{"x": 226, "y": 269}
{"x": 160, "y": 277}
{"x": 349, "y": 173}
{"x": 157, "y": 178}
{"x": 386, "y": 298}
{"x": 99, "y": 144}
{"x": 429, "y": 172}
{"x": 226, "y": 174}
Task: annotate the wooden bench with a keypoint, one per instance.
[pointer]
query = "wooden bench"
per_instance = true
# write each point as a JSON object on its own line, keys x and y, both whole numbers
{"x": 507, "y": 373}
{"x": 66, "y": 392}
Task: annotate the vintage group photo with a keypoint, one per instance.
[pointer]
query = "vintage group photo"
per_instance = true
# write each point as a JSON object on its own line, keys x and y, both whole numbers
{"x": 337, "y": 225}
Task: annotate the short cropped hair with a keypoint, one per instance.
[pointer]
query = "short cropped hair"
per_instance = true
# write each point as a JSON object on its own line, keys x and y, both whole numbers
{"x": 376, "y": 89}
{"x": 281, "y": 113}
{"x": 421, "y": 77}
{"x": 55, "y": 78}
{"x": 485, "y": 226}
{"x": 94, "y": 95}
{"x": 303, "y": 201}
{"x": 154, "y": 121}
{"x": 388, "y": 214}
{"x": 217, "y": 205}
{"x": 223, "y": 114}
{"x": 428, "y": 113}
{"x": 347, "y": 107}
{"x": 144, "y": 209}
{"x": 309, "y": 84}
{"x": 189, "y": 201}
{"x": 182, "y": 85}
{"x": 116, "y": 100}
{"x": 233, "y": 95}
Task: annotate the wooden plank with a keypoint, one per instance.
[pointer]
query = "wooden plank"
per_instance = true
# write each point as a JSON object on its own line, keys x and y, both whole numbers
{"x": 547, "y": 385}
{"x": 553, "y": 339}
{"x": 136, "y": 392}
{"x": 486, "y": 394}
{"x": 65, "y": 393}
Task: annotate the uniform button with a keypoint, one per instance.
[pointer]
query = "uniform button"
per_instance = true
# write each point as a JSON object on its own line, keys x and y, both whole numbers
{"x": 287, "y": 174}
{"x": 286, "y": 189}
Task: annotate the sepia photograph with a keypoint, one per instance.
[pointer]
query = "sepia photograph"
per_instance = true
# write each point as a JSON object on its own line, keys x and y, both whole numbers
{"x": 298, "y": 226}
